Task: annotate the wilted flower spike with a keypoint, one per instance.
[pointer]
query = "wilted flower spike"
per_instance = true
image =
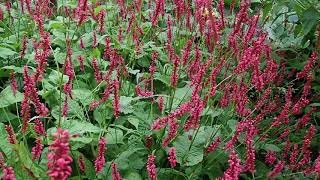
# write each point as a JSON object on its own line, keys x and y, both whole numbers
{"x": 116, "y": 99}
{"x": 81, "y": 163}
{"x": 13, "y": 83}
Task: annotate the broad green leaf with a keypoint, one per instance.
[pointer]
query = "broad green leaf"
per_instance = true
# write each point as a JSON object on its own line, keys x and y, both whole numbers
{"x": 16, "y": 69}
{"x": 187, "y": 154}
{"x": 132, "y": 175}
{"x": 56, "y": 76}
{"x": 310, "y": 18}
{"x": 7, "y": 97}
{"x": 25, "y": 159}
{"x": 271, "y": 147}
{"x": 75, "y": 126}
{"x": 114, "y": 136}
{"x": 7, "y": 115}
{"x": 83, "y": 95}
{"x": 4, "y": 145}
{"x": 134, "y": 122}
{"x": 125, "y": 104}
{"x": 5, "y": 52}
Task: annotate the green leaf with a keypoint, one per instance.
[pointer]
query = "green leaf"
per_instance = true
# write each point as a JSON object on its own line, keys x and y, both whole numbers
{"x": 4, "y": 145}
{"x": 7, "y": 115}
{"x": 25, "y": 159}
{"x": 5, "y": 52}
{"x": 114, "y": 136}
{"x": 83, "y": 95}
{"x": 125, "y": 104}
{"x": 134, "y": 122}
{"x": 309, "y": 19}
{"x": 187, "y": 154}
{"x": 16, "y": 69}
{"x": 163, "y": 78}
{"x": 75, "y": 126}
{"x": 271, "y": 147}
{"x": 132, "y": 175}
{"x": 55, "y": 77}
{"x": 7, "y": 97}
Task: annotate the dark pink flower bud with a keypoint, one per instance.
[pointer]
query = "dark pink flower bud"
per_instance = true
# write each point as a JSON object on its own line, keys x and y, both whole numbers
{"x": 173, "y": 130}
{"x": 38, "y": 128}
{"x": 213, "y": 146}
{"x": 174, "y": 76}
{"x": 302, "y": 103}
{"x": 81, "y": 60}
{"x": 11, "y": 135}
{"x": 94, "y": 37}
{"x": 284, "y": 134}
{"x": 160, "y": 103}
{"x": 294, "y": 155}
{"x": 307, "y": 138}
{"x": 317, "y": 165}
{"x": 97, "y": 73}
{"x": 308, "y": 66}
{"x": 270, "y": 157}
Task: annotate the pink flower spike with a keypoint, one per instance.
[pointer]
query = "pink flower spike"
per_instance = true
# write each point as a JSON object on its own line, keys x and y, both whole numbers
{"x": 59, "y": 160}
{"x": 8, "y": 173}
{"x": 151, "y": 167}
{"x": 37, "y": 150}
{"x": 172, "y": 157}
{"x": 115, "y": 174}
{"x": 100, "y": 160}
{"x": 277, "y": 169}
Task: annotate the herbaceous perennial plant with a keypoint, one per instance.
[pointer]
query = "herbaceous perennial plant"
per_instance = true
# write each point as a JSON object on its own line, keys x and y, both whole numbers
{"x": 181, "y": 89}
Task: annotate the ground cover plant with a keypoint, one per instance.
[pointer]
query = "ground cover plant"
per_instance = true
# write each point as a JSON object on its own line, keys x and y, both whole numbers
{"x": 155, "y": 89}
